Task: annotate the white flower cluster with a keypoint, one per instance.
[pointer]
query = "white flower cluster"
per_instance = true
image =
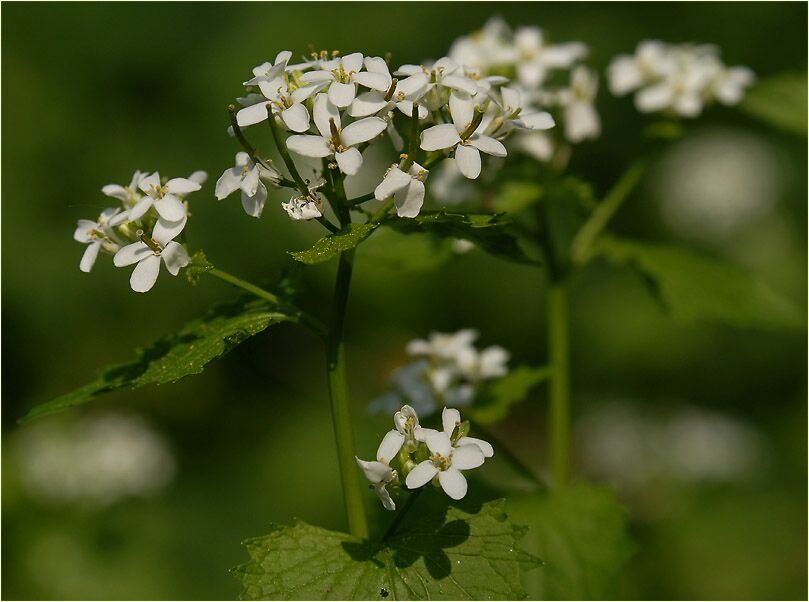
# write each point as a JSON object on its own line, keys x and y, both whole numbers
{"x": 424, "y": 455}
{"x": 677, "y": 78}
{"x": 449, "y": 371}
{"x": 549, "y": 75}
{"x": 147, "y": 204}
{"x": 335, "y": 106}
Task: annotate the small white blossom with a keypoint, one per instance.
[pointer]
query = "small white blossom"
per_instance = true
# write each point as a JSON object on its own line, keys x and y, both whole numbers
{"x": 581, "y": 119}
{"x": 535, "y": 58}
{"x": 247, "y": 177}
{"x": 128, "y": 195}
{"x": 407, "y": 189}
{"x": 447, "y": 462}
{"x": 475, "y": 365}
{"x": 342, "y": 74}
{"x": 335, "y": 140}
{"x": 443, "y": 345}
{"x": 379, "y": 471}
{"x": 435, "y": 82}
{"x": 628, "y": 72}
{"x": 165, "y": 198}
{"x": 99, "y": 235}
{"x": 149, "y": 254}
{"x": 456, "y": 136}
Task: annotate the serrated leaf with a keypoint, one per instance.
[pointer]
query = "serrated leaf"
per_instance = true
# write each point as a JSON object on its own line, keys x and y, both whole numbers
{"x": 198, "y": 265}
{"x": 177, "y": 355}
{"x": 333, "y": 244}
{"x": 779, "y": 101}
{"x": 692, "y": 287}
{"x": 440, "y": 552}
{"x": 486, "y": 230}
{"x": 580, "y": 532}
{"x": 497, "y": 400}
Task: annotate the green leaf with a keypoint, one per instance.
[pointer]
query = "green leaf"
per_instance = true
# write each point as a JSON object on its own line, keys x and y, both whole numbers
{"x": 514, "y": 197}
{"x": 198, "y": 265}
{"x": 486, "y": 230}
{"x": 692, "y": 287}
{"x": 779, "y": 101}
{"x": 177, "y": 355}
{"x": 580, "y": 532}
{"x": 440, "y": 552}
{"x": 333, "y": 244}
{"x": 496, "y": 401}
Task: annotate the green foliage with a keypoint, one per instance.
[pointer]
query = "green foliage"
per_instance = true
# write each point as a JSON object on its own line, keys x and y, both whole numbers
{"x": 488, "y": 231}
{"x": 515, "y": 196}
{"x": 441, "y": 552}
{"x": 172, "y": 357}
{"x": 694, "y": 287}
{"x": 580, "y": 532}
{"x": 333, "y": 244}
{"x": 496, "y": 401}
{"x": 198, "y": 265}
{"x": 779, "y": 101}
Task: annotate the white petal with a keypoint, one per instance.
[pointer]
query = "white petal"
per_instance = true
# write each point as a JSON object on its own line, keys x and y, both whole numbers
{"x": 462, "y": 109}
{"x": 537, "y": 121}
{"x": 374, "y": 471}
{"x": 228, "y": 182}
{"x": 453, "y": 483}
{"x": 89, "y": 258}
{"x": 175, "y": 257}
{"x": 438, "y": 443}
{"x": 317, "y": 76}
{"x": 375, "y": 81}
{"x": 484, "y": 446}
{"x": 384, "y": 496}
{"x": 170, "y": 208}
{"x": 406, "y": 107}
{"x": 410, "y": 70}
{"x": 296, "y": 118}
{"x": 145, "y": 274}
{"x": 414, "y": 85}
{"x": 393, "y": 181}
{"x": 83, "y": 229}
{"x": 511, "y": 98}
{"x": 409, "y": 200}
{"x": 182, "y": 186}
{"x": 253, "y": 114}
{"x": 199, "y": 176}
{"x": 391, "y": 444}
{"x": 341, "y": 95}
{"x": 324, "y": 111}
{"x": 466, "y": 457}
{"x": 250, "y": 181}
{"x": 654, "y": 98}
{"x": 368, "y": 103}
{"x": 450, "y": 417}
{"x": 467, "y": 158}
{"x": 164, "y": 231}
{"x": 421, "y": 433}
{"x": 304, "y": 92}
{"x": 131, "y": 254}
{"x": 309, "y": 146}
{"x": 352, "y": 62}
{"x": 581, "y": 121}
{"x": 283, "y": 57}
{"x": 439, "y": 137}
{"x": 349, "y": 161}
{"x": 149, "y": 182}
{"x": 624, "y": 76}
{"x": 362, "y": 130}
{"x": 115, "y": 191}
{"x": 140, "y": 208}
{"x": 254, "y": 205}
{"x": 488, "y": 145}
{"x": 421, "y": 475}
{"x": 458, "y": 82}
{"x": 375, "y": 64}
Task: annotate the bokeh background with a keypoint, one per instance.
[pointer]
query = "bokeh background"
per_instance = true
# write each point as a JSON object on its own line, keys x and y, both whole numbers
{"x": 701, "y": 428}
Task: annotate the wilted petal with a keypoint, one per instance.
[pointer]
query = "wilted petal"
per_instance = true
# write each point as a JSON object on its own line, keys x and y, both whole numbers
{"x": 375, "y": 472}
{"x": 453, "y": 483}
{"x": 145, "y": 274}
{"x": 421, "y": 475}
{"x": 384, "y": 497}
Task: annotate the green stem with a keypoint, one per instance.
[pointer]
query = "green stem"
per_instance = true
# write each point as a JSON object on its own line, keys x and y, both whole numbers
{"x": 559, "y": 393}
{"x": 340, "y": 410}
{"x": 247, "y": 286}
{"x": 582, "y": 245}
{"x": 281, "y": 145}
{"x": 360, "y": 199}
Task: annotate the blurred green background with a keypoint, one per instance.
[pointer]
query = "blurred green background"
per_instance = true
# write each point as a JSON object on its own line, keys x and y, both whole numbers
{"x": 92, "y": 92}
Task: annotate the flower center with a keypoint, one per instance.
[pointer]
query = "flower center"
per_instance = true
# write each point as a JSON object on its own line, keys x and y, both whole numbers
{"x": 440, "y": 462}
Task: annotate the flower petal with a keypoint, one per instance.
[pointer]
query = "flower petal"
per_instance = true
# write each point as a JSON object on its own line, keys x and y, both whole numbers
{"x": 130, "y": 254}
{"x": 253, "y": 114}
{"x": 375, "y": 81}
{"x": 438, "y": 443}
{"x": 309, "y": 146}
{"x": 296, "y": 118}
{"x": 352, "y": 62}
{"x": 450, "y": 418}
{"x": 324, "y": 111}
{"x": 537, "y": 121}
{"x": 349, "y": 161}
{"x": 462, "y": 109}
{"x": 367, "y": 103}
{"x": 83, "y": 229}
{"x": 391, "y": 444}
{"x": 140, "y": 208}
{"x": 488, "y": 145}
{"x": 467, "y": 158}
{"x": 362, "y": 130}
{"x": 466, "y": 457}
{"x": 375, "y": 472}
{"x": 484, "y": 446}
{"x": 170, "y": 208}
{"x": 145, "y": 274}
{"x": 376, "y": 64}
{"x": 175, "y": 257}
{"x": 393, "y": 181}
{"x": 150, "y": 182}
{"x": 453, "y": 483}
{"x": 384, "y": 496}
{"x": 457, "y": 82}
{"x": 250, "y": 181}
{"x": 164, "y": 231}
{"x": 341, "y": 95}
{"x": 115, "y": 191}
{"x": 182, "y": 186}
{"x": 421, "y": 475}
{"x": 228, "y": 182}
{"x": 254, "y": 205}
{"x": 89, "y": 258}
{"x": 439, "y": 137}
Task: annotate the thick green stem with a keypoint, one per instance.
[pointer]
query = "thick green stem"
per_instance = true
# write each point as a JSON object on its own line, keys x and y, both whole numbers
{"x": 559, "y": 392}
{"x": 338, "y": 391}
{"x": 581, "y": 247}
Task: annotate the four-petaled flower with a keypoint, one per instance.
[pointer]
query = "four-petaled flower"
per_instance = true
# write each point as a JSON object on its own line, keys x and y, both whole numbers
{"x": 342, "y": 74}
{"x": 148, "y": 253}
{"x": 165, "y": 198}
{"x": 379, "y": 471}
{"x": 447, "y": 461}
{"x": 98, "y": 235}
{"x": 407, "y": 189}
{"x": 248, "y": 177}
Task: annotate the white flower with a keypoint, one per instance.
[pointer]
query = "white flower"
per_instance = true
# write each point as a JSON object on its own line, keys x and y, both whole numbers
{"x": 380, "y": 102}
{"x": 165, "y": 198}
{"x": 379, "y": 472}
{"x": 491, "y": 46}
{"x": 248, "y": 177}
{"x": 581, "y": 119}
{"x": 729, "y": 84}
{"x": 488, "y": 363}
{"x": 436, "y": 81}
{"x": 457, "y": 136}
{"x": 447, "y": 462}
{"x": 534, "y": 57}
{"x": 128, "y": 195}
{"x": 450, "y": 419}
{"x": 148, "y": 254}
{"x": 443, "y": 345}
{"x": 99, "y": 235}
{"x": 627, "y": 72}
{"x": 335, "y": 140}
{"x": 407, "y": 424}
{"x": 512, "y": 112}
{"x": 407, "y": 189}
{"x": 342, "y": 74}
